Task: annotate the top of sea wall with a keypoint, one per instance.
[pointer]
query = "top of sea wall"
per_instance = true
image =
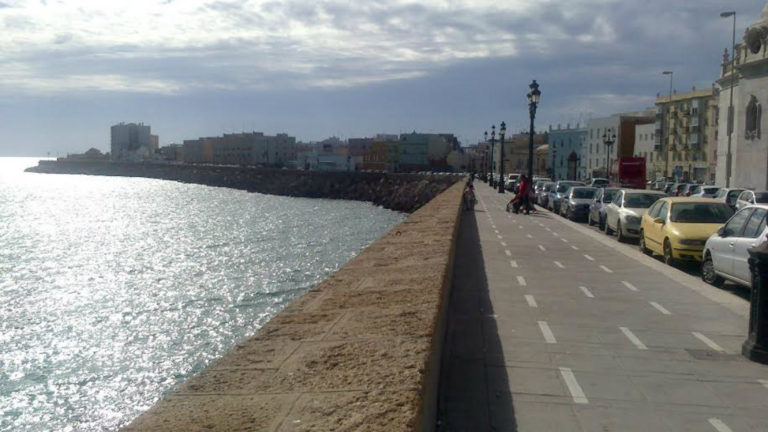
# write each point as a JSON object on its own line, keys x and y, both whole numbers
{"x": 394, "y": 191}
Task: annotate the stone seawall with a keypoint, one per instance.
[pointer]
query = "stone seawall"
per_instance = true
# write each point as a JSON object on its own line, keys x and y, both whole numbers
{"x": 358, "y": 352}
{"x": 400, "y": 192}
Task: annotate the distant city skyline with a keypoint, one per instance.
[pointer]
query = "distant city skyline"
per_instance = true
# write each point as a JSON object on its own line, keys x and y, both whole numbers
{"x": 314, "y": 70}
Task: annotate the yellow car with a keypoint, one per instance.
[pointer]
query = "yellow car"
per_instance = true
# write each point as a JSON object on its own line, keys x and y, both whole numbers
{"x": 678, "y": 228}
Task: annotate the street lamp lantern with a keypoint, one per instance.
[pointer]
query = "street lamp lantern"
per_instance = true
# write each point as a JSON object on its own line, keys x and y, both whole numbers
{"x": 533, "y": 101}
{"x": 502, "y": 131}
{"x": 609, "y": 138}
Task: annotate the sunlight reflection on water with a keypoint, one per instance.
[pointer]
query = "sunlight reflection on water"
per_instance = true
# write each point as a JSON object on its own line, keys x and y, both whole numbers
{"x": 115, "y": 289}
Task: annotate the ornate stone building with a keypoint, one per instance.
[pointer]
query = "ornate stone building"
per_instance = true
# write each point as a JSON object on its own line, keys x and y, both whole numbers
{"x": 749, "y": 83}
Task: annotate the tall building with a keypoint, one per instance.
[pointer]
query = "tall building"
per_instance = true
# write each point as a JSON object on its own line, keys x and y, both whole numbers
{"x": 748, "y": 80}
{"x": 683, "y": 135}
{"x": 564, "y": 152}
{"x": 130, "y": 142}
{"x": 645, "y": 147}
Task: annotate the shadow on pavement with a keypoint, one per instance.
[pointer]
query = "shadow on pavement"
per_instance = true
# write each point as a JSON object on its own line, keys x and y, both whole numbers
{"x": 466, "y": 392}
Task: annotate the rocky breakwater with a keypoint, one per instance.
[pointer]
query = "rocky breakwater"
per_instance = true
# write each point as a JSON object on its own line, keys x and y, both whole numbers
{"x": 358, "y": 352}
{"x": 400, "y": 192}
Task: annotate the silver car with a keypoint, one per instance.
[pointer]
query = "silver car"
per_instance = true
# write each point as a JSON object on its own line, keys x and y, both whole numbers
{"x": 542, "y": 196}
{"x": 575, "y": 205}
{"x": 725, "y": 253}
{"x": 728, "y": 195}
{"x": 704, "y": 191}
{"x": 558, "y": 192}
{"x": 748, "y": 197}
{"x": 597, "y": 208}
{"x": 623, "y": 214}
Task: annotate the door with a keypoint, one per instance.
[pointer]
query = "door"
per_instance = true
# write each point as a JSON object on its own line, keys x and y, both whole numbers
{"x": 723, "y": 249}
{"x": 749, "y": 238}
{"x": 653, "y": 238}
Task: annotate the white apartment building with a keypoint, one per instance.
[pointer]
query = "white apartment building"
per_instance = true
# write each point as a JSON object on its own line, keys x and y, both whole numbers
{"x": 645, "y": 147}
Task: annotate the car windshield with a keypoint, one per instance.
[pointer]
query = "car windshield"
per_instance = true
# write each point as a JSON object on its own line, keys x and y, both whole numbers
{"x": 710, "y": 190}
{"x": 609, "y": 194}
{"x": 579, "y": 193}
{"x": 761, "y": 197}
{"x": 640, "y": 200}
{"x": 700, "y": 212}
{"x": 721, "y": 193}
{"x": 548, "y": 187}
{"x": 600, "y": 181}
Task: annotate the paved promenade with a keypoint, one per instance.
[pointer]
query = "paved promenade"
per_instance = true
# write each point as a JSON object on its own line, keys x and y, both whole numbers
{"x": 554, "y": 327}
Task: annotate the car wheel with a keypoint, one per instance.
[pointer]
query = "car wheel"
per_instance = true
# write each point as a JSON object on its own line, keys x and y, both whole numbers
{"x": 619, "y": 233}
{"x": 668, "y": 258}
{"x": 641, "y": 244}
{"x": 708, "y": 274}
{"x": 607, "y": 229}
{"x": 601, "y": 222}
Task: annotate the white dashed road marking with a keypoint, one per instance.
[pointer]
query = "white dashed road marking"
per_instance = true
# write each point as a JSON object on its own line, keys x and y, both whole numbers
{"x": 586, "y": 292}
{"x": 660, "y": 308}
{"x": 513, "y": 263}
{"x": 632, "y": 338}
{"x": 573, "y": 386}
{"x": 521, "y": 281}
{"x": 559, "y": 264}
{"x": 506, "y": 251}
{"x": 504, "y": 244}
{"x": 710, "y": 343}
{"x": 719, "y": 425}
{"x": 499, "y": 237}
{"x": 547, "y": 332}
{"x": 763, "y": 382}
{"x": 629, "y": 285}
{"x": 564, "y": 240}
{"x": 531, "y": 301}
{"x": 606, "y": 269}
{"x": 529, "y": 236}
{"x": 574, "y": 247}
{"x": 520, "y": 226}
{"x": 542, "y": 248}
{"x": 588, "y": 257}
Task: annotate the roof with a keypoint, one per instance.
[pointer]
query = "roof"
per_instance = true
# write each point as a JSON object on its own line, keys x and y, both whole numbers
{"x": 673, "y": 200}
{"x": 642, "y": 191}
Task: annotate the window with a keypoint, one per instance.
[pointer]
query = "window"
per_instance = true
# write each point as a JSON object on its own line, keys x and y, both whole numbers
{"x": 653, "y": 212}
{"x": 756, "y": 224}
{"x": 617, "y": 199}
{"x": 752, "y": 127}
{"x": 736, "y": 224}
{"x": 663, "y": 211}
{"x": 696, "y": 212}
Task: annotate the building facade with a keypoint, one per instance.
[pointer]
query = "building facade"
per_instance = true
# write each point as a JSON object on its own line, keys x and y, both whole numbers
{"x": 645, "y": 147}
{"x": 619, "y": 129}
{"x": 564, "y": 152}
{"x": 749, "y": 83}
{"x": 683, "y": 135}
{"x": 131, "y": 142}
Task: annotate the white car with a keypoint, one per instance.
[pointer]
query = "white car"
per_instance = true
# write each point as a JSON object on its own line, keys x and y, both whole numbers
{"x": 702, "y": 191}
{"x": 725, "y": 253}
{"x": 748, "y": 197}
{"x": 623, "y": 214}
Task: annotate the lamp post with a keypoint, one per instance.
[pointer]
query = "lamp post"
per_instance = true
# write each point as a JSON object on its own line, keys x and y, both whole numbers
{"x": 533, "y": 101}
{"x": 729, "y": 127}
{"x": 502, "y": 131}
{"x": 665, "y": 148}
{"x": 554, "y": 153}
{"x": 493, "y": 153}
{"x": 609, "y": 138}
{"x": 486, "y": 161}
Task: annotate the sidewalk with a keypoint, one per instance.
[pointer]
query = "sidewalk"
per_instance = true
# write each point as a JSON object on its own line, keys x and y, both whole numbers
{"x": 554, "y": 329}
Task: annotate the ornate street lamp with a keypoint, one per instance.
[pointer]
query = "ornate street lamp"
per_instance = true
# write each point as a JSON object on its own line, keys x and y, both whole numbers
{"x": 554, "y": 153}
{"x": 486, "y": 160}
{"x": 609, "y": 138}
{"x": 493, "y": 144}
{"x": 729, "y": 127}
{"x": 665, "y": 147}
{"x": 502, "y": 131}
{"x": 533, "y": 101}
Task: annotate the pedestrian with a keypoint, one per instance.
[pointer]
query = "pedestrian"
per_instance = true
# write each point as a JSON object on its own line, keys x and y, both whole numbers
{"x": 469, "y": 196}
{"x": 524, "y": 193}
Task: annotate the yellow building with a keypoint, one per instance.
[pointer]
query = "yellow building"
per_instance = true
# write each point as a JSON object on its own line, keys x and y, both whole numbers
{"x": 684, "y": 135}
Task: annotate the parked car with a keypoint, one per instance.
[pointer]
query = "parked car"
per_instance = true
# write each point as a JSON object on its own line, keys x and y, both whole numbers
{"x": 599, "y": 182}
{"x": 542, "y": 197}
{"x": 575, "y": 205}
{"x": 677, "y": 189}
{"x": 687, "y": 189}
{"x": 725, "y": 253}
{"x": 678, "y": 228}
{"x": 623, "y": 214}
{"x": 728, "y": 195}
{"x": 558, "y": 191}
{"x": 703, "y": 191}
{"x": 510, "y": 182}
{"x": 748, "y": 197}
{"x": 603, "y": 197}
{"x": 667, "y": 188}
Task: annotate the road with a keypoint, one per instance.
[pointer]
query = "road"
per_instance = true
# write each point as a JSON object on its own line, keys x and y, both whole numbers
{"x": 556, "y": 327}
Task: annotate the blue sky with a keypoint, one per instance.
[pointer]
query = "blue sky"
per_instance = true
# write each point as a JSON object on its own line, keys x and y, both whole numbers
{"x": 317, "y": 68}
